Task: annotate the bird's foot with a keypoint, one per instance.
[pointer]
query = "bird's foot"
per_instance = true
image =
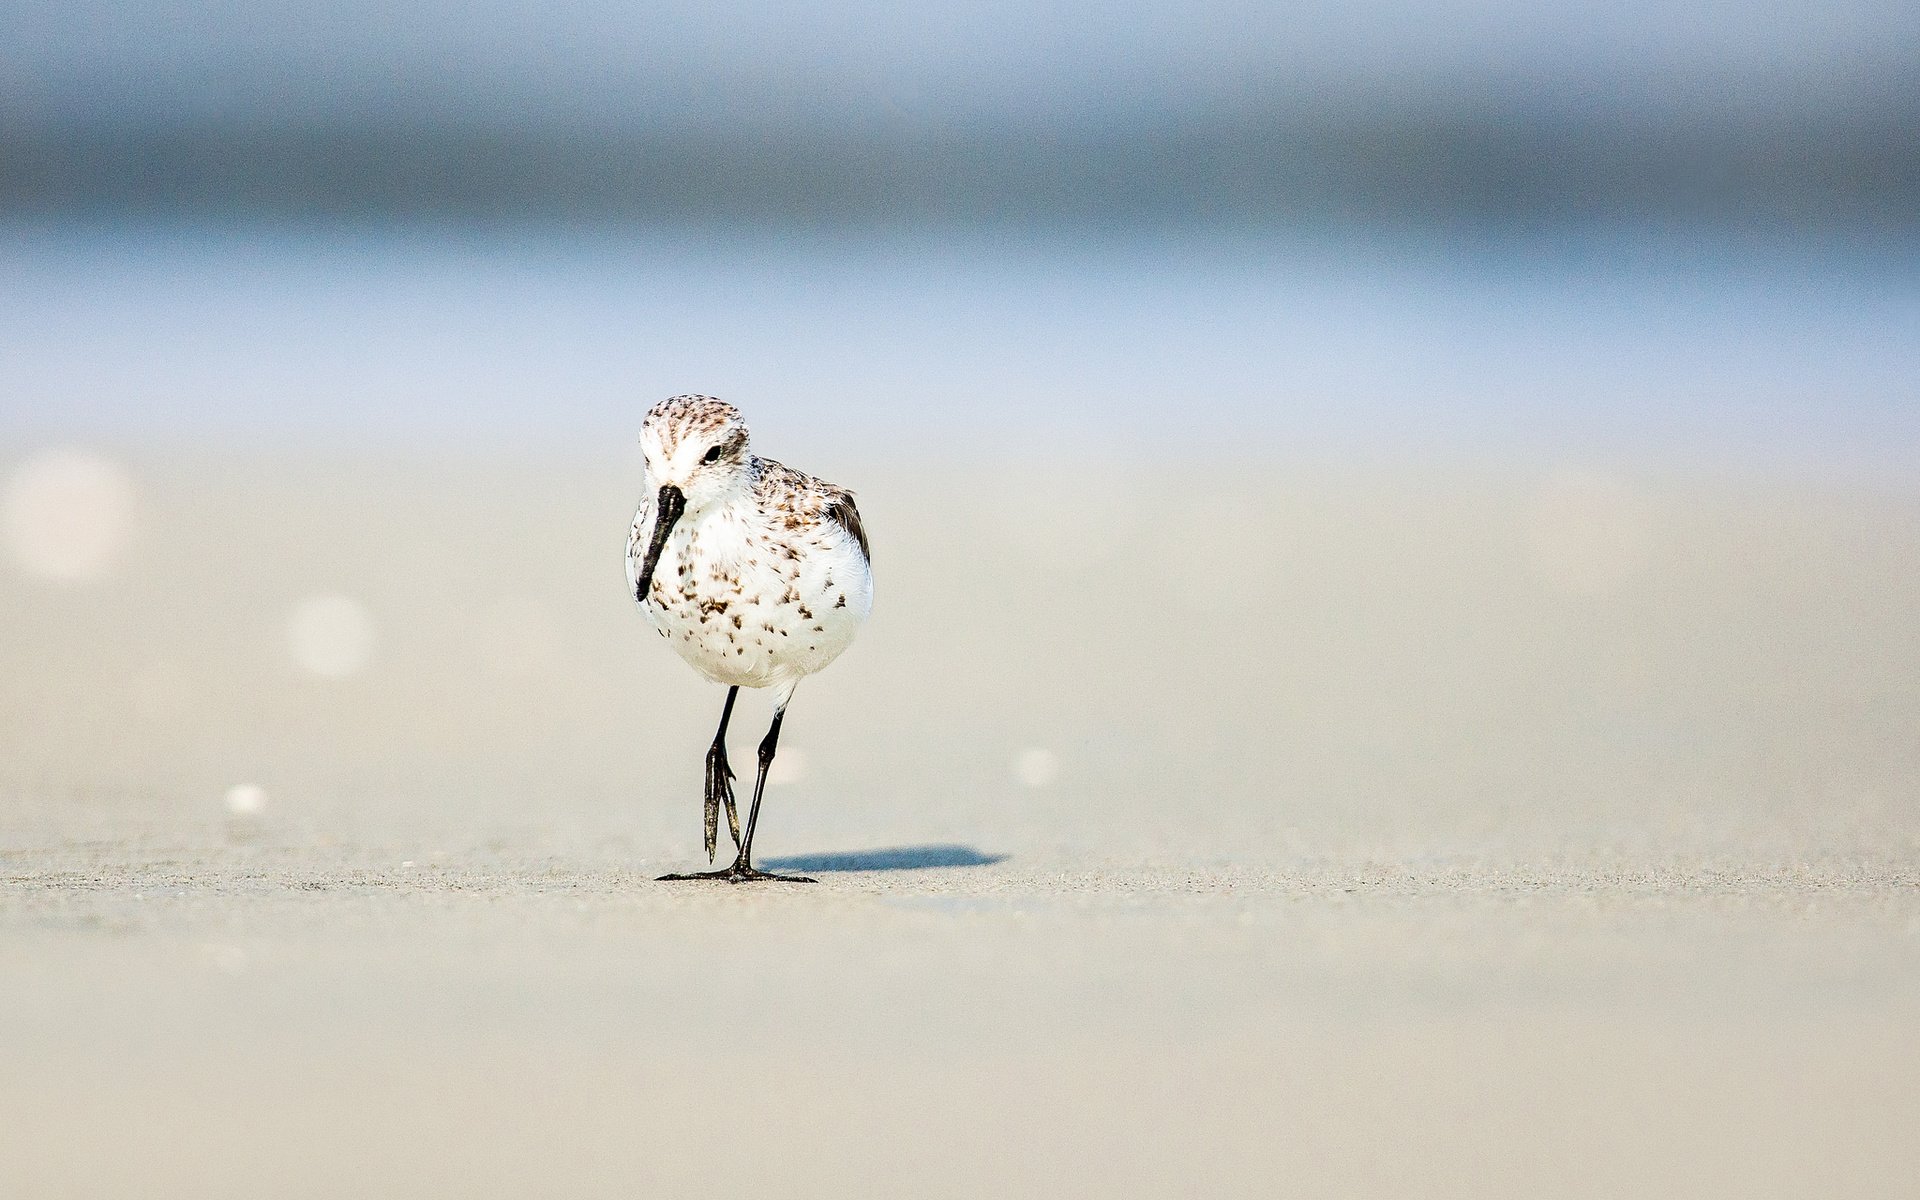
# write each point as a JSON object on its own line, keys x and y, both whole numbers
{"x": 719, "y": 792}
{"x": 739, "y": 873}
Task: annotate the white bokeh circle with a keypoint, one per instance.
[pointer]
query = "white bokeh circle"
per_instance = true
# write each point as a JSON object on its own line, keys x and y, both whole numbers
{"x": 331, "y": 636}
{"x": 66, "y": 515}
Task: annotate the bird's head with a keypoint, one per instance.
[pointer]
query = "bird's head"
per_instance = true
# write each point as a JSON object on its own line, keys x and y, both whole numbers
{"x": 696, "y": 445}
{"x": 696, "y": 457}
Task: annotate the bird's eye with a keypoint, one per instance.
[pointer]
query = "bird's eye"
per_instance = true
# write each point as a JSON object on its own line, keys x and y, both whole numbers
{"x": 712, "y": 456}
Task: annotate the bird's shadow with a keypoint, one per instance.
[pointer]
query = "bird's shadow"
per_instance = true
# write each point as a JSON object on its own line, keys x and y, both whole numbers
{"x": 893, "y": 858}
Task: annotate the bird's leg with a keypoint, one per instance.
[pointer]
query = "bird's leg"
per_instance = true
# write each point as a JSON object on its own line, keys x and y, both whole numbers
{"x": 743, "y": 866}
{"x": 742, "y": 869}
{"x": 719, "y": 785}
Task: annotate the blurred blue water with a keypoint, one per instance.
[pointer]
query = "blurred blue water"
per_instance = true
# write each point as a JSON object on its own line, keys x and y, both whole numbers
{"x": 1606, "y": 344}
{"x": 597, "y": 62}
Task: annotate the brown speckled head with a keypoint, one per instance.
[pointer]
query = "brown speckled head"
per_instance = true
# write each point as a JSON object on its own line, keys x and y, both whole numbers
{"x": 680, "y": 418}
{"x": 699, "y": 445}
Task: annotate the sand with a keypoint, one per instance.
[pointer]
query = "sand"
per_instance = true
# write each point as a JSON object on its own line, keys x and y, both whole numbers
{"x": 1491, "y": 832}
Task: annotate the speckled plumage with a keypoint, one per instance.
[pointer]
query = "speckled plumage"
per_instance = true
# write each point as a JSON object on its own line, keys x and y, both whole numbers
{"x": 762, "y": 578}
{"x": 766, "y": 584}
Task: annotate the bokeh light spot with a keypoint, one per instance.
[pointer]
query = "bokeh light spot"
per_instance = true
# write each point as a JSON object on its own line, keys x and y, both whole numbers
{"x": 1036, "y": 768}
{"x": 789, "y": 766}
{"x": 246, "y": 799}
{"x": 66, "y": 514}
{"x": 331, "y": 636}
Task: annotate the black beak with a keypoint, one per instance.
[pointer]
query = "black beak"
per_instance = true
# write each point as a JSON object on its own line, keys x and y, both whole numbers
{"x": 666, "y": 511}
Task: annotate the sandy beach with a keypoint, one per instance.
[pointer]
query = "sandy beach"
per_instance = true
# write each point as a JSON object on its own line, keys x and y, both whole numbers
{"x": 1489, "y": 832}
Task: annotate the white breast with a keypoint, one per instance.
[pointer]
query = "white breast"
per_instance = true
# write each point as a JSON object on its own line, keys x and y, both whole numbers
{"x": 750, "y": 603}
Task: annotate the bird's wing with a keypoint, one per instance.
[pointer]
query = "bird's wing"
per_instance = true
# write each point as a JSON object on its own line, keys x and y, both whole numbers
{"x": 842, "y": 511}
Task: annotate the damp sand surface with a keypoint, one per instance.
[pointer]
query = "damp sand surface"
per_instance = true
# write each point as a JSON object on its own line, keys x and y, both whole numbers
{"x": 1476, "y": 833}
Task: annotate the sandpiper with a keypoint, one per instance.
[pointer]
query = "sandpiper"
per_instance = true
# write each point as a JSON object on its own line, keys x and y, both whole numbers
{"x": 757, "y": 574}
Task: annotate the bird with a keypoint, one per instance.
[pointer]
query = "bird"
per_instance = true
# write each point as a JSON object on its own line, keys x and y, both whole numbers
{"x": 758, "y": 575}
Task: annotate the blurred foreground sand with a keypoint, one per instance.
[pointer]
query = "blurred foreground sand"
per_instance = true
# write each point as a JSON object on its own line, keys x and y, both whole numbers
{"x": 1484, "y": 833}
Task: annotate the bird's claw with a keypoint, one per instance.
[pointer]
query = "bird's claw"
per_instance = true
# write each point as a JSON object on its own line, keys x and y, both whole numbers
{"x": 719, "y": 792}
{"x": 739, "y": 874}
